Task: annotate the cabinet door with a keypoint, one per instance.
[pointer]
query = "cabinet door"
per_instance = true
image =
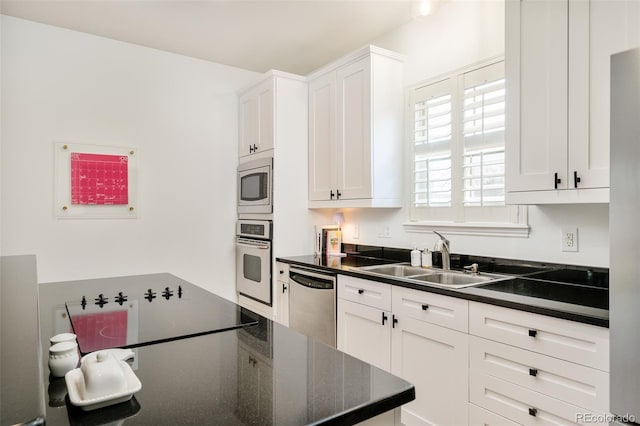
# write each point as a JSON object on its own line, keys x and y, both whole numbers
{"x": 436, "y": 360}
{"x": 536, "y": 53}
{"x": 282, "y": 293}
{"x": 322, "y": 137}
{"x": 257, "y": 119}
{"x": 596, "y": 30}
{"x": 282, "y": 315}
{"x": 354, "y": 130}
{"x": 364, "y": 332}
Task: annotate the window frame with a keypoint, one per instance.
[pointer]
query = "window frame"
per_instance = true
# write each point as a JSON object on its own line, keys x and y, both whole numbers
{"x": 506, "y": 221}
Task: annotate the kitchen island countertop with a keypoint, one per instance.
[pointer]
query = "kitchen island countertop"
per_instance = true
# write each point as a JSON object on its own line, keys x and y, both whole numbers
{"x": 263, "y": 374}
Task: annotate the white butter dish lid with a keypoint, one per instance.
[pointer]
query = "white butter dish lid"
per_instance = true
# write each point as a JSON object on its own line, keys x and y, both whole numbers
{"x": 75, "y": 389}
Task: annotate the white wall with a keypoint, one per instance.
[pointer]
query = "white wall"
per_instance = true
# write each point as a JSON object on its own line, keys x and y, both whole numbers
{"x": 180, "y": 113}
{"x": 458, "y": 34}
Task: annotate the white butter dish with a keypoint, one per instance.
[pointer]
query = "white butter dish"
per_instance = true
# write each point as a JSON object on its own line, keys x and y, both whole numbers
{"x": 76, "y": 389}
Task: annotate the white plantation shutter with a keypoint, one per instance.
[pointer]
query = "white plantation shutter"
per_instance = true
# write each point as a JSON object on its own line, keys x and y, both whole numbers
{"x": 432, "y": 145}
{"x": 458, "y": 147}
{"x": 483, "y": 132}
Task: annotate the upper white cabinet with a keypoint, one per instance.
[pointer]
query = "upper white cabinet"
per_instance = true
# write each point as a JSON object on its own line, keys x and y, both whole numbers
{"x": 557, "y": 76}
{"x": 257, "y": 118}
{"x": 355, "y": 131}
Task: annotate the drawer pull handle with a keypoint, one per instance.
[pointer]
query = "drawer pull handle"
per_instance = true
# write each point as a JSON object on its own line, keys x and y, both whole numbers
{"x": 533, "y": 372}
{"x": 533, "y": 333}
{"x": 425, "y": 307}
{"x": 360, "y": 291}
{"x": 533, "y": 411}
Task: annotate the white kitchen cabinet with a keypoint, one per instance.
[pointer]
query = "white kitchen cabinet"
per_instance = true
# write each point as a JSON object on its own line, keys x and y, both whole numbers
{"x": 524, "y": 406}
{"x": 364, "y": 332}
{"x": 557, "y": 74}
{"x": 355, "y": 131}
{"x": 282, "y": 293}
{"x": 435, "y": 358}
{"x": 390, "y": 328}
{"x": 481, "y": 417}
{"x": 573, "y": 341}
{"x": 257, "y": 118}
{"x": 570, "y": 382}
{"x": 286, "y": 126}
{"x": 363, "y": 320}
{"x": 534, "y": 369}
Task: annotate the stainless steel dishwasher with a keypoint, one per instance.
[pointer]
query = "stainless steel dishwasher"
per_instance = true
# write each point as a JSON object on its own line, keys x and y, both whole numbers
{"x": 312, "y": 303}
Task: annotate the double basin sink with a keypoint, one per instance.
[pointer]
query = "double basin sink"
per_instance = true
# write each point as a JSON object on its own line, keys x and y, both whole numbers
{"x": 432, "y": 276}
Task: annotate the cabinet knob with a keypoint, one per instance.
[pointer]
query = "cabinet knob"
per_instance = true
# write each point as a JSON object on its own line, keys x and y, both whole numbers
{"x": 533, "y": 333}
{"x": 425, "y": 307}
{"x": 576, "y": 179}
{"x": 533, "y": 411}
{"x": 533, "y": 372}
{"x": 360, "y": 291}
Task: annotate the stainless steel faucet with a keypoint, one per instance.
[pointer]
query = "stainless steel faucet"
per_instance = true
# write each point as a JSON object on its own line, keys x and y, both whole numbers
{"x": 446, "y": 251}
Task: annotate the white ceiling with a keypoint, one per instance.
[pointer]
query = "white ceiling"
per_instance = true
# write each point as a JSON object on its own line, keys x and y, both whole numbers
{"x": 296, "y": 36}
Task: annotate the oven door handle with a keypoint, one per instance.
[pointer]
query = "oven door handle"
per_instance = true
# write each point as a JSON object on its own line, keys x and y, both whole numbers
{"x": 253, "y": 245}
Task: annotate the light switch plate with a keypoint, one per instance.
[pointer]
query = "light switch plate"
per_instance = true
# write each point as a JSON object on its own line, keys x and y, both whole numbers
{"x": 569, "y": 239}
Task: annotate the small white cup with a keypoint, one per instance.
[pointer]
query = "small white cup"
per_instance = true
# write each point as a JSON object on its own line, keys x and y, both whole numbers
{"x": 62, "y": 337}
{"x": 63, "y": 357}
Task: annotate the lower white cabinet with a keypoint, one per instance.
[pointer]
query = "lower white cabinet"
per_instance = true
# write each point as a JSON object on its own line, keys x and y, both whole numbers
{"x": 364, "y": 332}
{"x": 481, "y": 417}
{"x": 473, "y": 363}
{"x": 435, "y": 359}
{"x": 408, "y": 341}
{"x": 282, "y": 293}
{"x": 524, "y": 406}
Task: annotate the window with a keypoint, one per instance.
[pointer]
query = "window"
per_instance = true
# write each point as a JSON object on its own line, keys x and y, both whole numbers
{"x": 458, "y": 139}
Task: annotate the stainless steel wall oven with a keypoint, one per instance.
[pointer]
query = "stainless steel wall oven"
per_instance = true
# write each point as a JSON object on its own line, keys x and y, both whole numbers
{"x": 253, "y": 259}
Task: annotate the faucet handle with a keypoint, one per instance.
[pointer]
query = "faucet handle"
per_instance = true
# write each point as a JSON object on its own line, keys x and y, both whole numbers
{"x": 473, "y": 268}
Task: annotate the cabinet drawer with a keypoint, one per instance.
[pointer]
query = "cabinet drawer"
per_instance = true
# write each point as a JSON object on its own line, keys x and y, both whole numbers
{"x": 370, "y": 293}
{"x": 525, "y": 406}
{"x": 437, "y": 309}
{"x": 572, "y": 341}
{"x": 576, "y": 384}
{"x": 481, "y": 417}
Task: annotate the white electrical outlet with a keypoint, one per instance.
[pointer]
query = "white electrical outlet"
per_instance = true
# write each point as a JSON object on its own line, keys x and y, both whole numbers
{"x": 385, "y": 232}
{"x": 569, "y": 239}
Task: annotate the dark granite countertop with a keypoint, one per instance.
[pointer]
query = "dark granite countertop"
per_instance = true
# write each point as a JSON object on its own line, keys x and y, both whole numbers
{"x": 576, "y": 294}
{"x": 243, "y": 374}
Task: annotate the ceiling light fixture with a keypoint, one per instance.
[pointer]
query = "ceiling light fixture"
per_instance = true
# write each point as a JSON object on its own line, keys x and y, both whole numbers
{"x": 425, "y": 7}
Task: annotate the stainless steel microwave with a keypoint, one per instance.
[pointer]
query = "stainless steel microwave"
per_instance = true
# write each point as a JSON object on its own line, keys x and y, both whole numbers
{"x": 255, "y": 191}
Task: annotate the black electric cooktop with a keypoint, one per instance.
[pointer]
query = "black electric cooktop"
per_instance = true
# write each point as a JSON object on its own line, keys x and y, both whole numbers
{"x": 136, "y": 311}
